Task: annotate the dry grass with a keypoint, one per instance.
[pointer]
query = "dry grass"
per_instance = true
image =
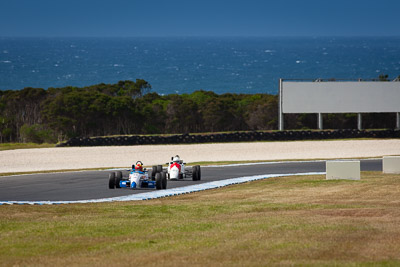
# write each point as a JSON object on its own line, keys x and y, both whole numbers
{"x": 280, "y": 221}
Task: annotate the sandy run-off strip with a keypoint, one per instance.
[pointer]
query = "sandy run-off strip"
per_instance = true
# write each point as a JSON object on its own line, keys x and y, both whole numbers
{"x": 45, "y": 159}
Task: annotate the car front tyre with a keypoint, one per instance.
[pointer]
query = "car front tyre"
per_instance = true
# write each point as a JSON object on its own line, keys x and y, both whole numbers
{"x": 163, "y": 180}
{"x": 118, "y": 178}
{"x": 158, "y": 181}
{"x": 111, "y": 180}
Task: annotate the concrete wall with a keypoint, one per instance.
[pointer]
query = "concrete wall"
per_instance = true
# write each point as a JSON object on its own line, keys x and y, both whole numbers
{"x": 391, "y": 164}
{"x": 341, "y": 169}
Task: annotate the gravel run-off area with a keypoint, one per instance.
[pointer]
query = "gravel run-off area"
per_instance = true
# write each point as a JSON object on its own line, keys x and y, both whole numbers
{"x": 45, "y": 159}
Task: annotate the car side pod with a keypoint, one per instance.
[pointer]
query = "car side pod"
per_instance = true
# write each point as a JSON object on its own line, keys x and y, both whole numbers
{"x": 124, "y": 184}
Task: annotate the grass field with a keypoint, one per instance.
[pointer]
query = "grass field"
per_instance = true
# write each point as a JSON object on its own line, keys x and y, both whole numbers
{"x": 300, "y": 220}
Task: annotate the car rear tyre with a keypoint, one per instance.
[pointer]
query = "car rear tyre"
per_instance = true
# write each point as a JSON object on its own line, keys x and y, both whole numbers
{"x": 194, "y": 173}
{"x": 198, "y": 173}
{"x": 158, "y": 181}
{"x": 159, "y": 168}
{"x": 111, "y": 180}
{"x": 118, "y": 178}
{"x": 164, "y": 180}
{"x": 153, "y": 172}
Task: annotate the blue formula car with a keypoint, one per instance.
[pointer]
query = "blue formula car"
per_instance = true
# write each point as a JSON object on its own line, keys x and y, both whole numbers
{"x": 138, "y": 178}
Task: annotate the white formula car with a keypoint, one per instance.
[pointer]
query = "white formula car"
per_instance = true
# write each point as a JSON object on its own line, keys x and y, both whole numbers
{"x": 177, "y": 170}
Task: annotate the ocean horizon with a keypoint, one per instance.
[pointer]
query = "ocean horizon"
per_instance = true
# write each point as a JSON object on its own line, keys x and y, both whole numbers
{"x": 245, "y": 65}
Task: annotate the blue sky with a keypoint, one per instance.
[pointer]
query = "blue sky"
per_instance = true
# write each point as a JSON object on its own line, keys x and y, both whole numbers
{"x": 110, "y": 18}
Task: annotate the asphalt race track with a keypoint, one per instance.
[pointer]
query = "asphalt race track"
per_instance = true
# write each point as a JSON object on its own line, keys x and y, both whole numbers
{"x": 86, "y": 185}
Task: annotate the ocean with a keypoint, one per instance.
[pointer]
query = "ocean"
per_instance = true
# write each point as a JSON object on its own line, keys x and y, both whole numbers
{"x": 185, "y": 64}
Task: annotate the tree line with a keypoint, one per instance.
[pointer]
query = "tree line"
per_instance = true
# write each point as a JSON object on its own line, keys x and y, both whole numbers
{"x": 129, "y": 107}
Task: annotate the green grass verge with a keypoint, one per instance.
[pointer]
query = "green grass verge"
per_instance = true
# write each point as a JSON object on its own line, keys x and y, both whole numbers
{"x": 55, "y": 171}
{"x": 10, "y": 146}
{"x": 301, "y": 220}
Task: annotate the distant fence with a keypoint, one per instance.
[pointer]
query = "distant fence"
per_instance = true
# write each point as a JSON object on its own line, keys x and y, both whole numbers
{"x": 229, "y": 137}
{"x": 326, "y": 96}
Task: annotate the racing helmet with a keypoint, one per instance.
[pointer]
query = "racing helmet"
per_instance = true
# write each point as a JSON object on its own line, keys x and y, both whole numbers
{"x": 139, "y": 167}
{"x": 176, "y": 159}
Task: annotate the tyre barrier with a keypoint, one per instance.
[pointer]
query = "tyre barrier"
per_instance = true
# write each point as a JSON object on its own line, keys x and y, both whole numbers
{"x": 229, "y": 137}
